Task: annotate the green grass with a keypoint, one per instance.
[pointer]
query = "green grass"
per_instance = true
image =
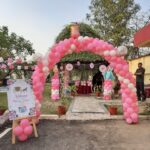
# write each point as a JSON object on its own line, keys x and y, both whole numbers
{"x": 48, "y": 106}
{"x": 3, "y": 100}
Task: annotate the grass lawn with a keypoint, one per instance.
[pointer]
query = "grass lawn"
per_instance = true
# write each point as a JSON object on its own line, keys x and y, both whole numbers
{"x": 48, "y": 106}
{"x": 3, "y": 100}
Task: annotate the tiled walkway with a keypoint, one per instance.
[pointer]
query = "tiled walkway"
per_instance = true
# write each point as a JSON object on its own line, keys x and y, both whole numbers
{"x": 87, "y": 108}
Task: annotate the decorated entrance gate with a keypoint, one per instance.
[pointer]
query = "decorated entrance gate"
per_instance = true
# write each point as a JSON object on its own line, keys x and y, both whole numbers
{"x": 77, "y": 44}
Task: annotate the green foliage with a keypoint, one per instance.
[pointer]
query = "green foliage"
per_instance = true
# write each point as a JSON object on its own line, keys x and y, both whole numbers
{"x": 85, "y": 30}
{"x": 10, "y": 41}
{"x": 72, "y": 88}
{"x": 98, "y": 89}
{"x": 82, "y": 56}
{"x": 13, "y": 41}
{"x": 110, "y": 18}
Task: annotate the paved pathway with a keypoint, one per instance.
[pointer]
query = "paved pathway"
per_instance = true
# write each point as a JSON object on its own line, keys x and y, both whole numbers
{"x": 87, "y": 108}
{"x": 85, "y": 135}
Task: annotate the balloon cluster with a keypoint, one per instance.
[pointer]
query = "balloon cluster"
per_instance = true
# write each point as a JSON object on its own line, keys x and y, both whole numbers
{"x": 107, "y": 89}
{"x": 115, "y": 56}
{"x": 55, "y": 87}
{"x": 23, "y": 130}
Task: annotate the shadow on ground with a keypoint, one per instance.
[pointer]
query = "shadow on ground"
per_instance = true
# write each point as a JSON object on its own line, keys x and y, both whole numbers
{"x": 87, "y": 135}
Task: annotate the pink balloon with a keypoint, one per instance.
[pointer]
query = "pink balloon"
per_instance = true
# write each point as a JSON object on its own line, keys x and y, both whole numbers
{"x": 129, "y": 120}
{"x": 24, "y": 123}
{"x": 130, "y": 110}
{"x": 38, "y": 113}
{"x": 119, "y": 67}
{"x": 134, "y": 116}
{"x": 122, "y": 73}
{"x": 127, "y": 91}
{"x": 22, "y": 137}
{"x": 28, "y": 130}
{"x": 18, "y": 130}
{"x": 129, "y": 100}
{"x": 126, "y": 115}
{"x": 125, "y": 105}
{"x": 135, "y": 109}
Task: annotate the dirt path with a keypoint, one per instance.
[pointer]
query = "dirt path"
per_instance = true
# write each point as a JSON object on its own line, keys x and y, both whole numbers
{"x": 79, "y": 135}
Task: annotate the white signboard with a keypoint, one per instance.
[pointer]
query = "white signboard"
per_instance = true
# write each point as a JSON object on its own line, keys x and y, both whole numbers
{"x": 21, "y": 100}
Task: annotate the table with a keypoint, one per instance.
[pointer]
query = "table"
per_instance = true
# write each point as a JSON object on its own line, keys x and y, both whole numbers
{"x": 84, "y": 89}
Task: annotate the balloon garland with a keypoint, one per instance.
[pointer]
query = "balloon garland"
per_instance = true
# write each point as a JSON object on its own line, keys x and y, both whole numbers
{"x": 111, "y": 54}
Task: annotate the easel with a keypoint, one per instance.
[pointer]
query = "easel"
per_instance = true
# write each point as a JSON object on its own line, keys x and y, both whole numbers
{"x": 16, "y": 122}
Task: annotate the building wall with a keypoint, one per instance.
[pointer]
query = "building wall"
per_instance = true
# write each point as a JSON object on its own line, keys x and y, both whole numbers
{"x": 133, "y": 65}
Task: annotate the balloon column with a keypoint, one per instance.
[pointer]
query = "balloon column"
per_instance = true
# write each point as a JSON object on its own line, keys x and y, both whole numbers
{"x": 23, "y": 130}
{"x": 115, "y": 56}
{"x": 108, "y": 78}
{"x": 55, "y": 85}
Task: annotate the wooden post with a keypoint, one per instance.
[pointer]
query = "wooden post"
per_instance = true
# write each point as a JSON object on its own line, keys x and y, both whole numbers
{"x": 13, "y": 135}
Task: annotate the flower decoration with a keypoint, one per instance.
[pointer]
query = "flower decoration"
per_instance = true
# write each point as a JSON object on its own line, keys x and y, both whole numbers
{"x": 91, "y": 65}
{"x": 102, "y": 68}
{"x": 78, "y": 63}
{"x": 69, "y": 67}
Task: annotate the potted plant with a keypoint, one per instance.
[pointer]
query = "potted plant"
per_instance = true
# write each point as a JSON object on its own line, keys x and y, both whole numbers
{"x": 112, "y": 108}
{"x": 61, "y": 109}
{"x": 97, "y": 91}
{"x": 72, "y": 89}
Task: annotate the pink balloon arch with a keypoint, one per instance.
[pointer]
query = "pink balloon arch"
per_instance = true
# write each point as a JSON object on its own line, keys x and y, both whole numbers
{"x": 115, "y": 56}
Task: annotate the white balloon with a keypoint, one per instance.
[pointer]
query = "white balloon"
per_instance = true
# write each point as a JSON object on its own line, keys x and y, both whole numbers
{"x": 86, "y": 38}
{"x": 130, "y": 85}
{"x": 1, "y": 59}
{"x": 70, "y": 51}
{"x": 73, "y": 47}
{"x": 122, "y": 50}
{"x": 80, "y": 38}
{"x": 126, "y": 81}
{"x": 106, "y": 53}
{"x": 120, "y": 78}
{"x": 134, "y": 89}
{"x": 113, "y": 53}
{"x": 45, "y": 69}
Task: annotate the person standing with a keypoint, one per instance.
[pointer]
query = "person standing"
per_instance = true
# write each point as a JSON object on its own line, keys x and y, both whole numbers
{"x": 140, "y": 82}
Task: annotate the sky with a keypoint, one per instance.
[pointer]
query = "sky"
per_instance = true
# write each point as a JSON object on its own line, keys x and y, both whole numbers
{"x": 40, "y": 21}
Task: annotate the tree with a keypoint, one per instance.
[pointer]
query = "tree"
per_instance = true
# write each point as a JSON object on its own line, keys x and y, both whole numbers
{"x": 111, "y": 19}
{"x": 9, "y": 43}
{"x": 14, "y": 41}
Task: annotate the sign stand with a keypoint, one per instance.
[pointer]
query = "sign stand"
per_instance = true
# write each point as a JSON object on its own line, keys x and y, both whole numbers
{"x": 16, "y": 122}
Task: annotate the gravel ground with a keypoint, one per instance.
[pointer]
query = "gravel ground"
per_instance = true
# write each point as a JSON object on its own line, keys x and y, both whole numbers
{"x": 85, "y": 135}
